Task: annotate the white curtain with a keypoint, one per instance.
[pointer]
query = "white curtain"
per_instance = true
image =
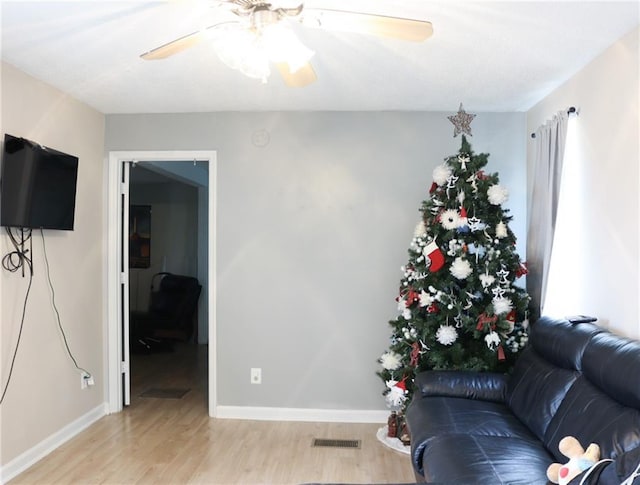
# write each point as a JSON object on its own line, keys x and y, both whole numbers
{"x": 549, "y": 142}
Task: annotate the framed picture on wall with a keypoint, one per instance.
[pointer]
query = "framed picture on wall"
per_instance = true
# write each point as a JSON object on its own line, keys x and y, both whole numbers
{"x": 139, "y": 236}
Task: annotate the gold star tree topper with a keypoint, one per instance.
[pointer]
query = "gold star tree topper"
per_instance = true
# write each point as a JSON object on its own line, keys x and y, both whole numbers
{"x": 461, "y": 122}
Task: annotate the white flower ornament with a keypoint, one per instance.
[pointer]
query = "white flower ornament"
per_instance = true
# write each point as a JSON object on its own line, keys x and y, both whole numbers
{"x": 497, "y": 194}
{"x": 446, "y": 335}
{"x": 441, "y": 174}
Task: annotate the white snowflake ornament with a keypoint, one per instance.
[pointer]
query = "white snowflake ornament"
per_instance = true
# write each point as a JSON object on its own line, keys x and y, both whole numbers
{"x": 450, "y": 219}
{"x": 487, "y": 280}
{"x": 475, "y": 224}
{"x": 390, "y": 360}
{"x": 425, "y": 299}
{"x": 502, "y": 305}
{"x": 446, "y": 335}
{"x": 460, "y": 268}
{"x": 497, "y": 194}
{"x": 420, "y": 230}
{"x": 441, "y": 174}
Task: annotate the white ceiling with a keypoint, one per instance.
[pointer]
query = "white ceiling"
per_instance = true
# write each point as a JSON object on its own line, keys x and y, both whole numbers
{"x": 492, "y": 56}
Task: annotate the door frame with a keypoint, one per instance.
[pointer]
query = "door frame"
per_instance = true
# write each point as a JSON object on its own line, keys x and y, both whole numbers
{"x": 114, "y": 357}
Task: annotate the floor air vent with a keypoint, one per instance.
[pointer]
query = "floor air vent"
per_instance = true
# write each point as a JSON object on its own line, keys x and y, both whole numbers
{"x": 326, "y": 443}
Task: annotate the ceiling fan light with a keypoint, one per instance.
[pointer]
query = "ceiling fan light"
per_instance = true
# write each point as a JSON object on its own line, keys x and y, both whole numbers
{"x": 282, "y": 45}
{"x": 257, "y": 68}
{"x": 250, "y": 50}
{"x": 241, "y": 50}
{"x": 299, "y": 57}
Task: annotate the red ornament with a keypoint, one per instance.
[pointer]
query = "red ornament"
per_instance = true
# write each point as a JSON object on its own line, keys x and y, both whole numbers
{"x": 485, "y": 319}
{"x": 412, "y": 297}
{"x": 433, "y": 308}
{"x": 463, "y": 212}
{"x": 511, "y": 316}
{"x": 436, "y": 258}
{"x": 401, "y": 384}
{"x": 415, "y": 354}
{"x": 501, "y": 355}
{"x": 522, "y": 270}
{"x": 433, "y": 188}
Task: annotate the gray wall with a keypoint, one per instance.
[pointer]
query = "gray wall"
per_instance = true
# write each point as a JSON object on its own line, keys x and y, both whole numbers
{"x": 315, "y": 212}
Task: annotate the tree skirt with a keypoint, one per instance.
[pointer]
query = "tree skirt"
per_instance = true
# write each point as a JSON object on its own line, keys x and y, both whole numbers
{"x": 393, "y": 443}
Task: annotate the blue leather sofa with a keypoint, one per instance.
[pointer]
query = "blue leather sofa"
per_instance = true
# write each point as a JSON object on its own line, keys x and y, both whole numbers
{"x": 485, "y": 428}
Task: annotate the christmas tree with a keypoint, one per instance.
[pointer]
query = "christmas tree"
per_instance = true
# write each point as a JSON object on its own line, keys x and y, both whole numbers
{"x": 458, "y": 305}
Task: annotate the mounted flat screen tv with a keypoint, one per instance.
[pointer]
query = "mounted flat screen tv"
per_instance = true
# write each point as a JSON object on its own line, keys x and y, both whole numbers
{"x": 37, "y": 186}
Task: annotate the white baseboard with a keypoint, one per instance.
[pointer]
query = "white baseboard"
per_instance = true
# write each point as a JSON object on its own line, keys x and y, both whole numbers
{"x": 46, "y": 446}
{"x": 302, "y": 414}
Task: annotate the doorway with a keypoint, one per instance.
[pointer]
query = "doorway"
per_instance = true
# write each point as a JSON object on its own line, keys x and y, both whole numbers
{"x": 167, "y": 318}
{"x": 118, "y": 288}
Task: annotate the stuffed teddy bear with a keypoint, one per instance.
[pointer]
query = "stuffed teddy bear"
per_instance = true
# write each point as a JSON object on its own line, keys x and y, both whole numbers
{"x": 579, "y": 460}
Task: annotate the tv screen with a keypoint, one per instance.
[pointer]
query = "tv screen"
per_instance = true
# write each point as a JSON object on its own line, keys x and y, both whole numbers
{"x": 37, "y": 186}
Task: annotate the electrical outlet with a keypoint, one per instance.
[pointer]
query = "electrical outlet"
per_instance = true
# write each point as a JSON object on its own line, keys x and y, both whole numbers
{"x": 86, "y": 380}
{"x": 256, "y": 375}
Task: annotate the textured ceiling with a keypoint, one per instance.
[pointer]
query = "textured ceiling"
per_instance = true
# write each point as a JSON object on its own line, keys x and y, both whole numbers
{"x": 492, "y": 56}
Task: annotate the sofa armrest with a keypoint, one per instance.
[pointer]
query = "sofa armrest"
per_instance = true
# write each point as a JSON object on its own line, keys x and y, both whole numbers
{"x": 485, "y": 386}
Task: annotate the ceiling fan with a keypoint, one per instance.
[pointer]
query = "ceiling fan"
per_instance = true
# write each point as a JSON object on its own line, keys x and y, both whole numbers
{"x": 262, "y": 35}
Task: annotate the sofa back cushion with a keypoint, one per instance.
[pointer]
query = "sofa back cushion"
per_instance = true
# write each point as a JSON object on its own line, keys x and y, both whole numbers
{"x": 612, "y": 363}
{"x": 546, "y": 370}
{"x": 603, "y": 406}
{"x": 591, "y": 416}
{"x": 562, "y": 343}
{"x": 536, "y": 389}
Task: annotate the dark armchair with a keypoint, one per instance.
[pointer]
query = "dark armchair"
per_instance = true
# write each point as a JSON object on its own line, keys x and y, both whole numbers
{"x": 172, "y": 311}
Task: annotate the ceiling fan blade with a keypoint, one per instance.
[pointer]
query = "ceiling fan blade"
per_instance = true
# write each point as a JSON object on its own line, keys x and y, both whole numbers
{"x": 302, "y": 77}
{"x": 174, "y": 46}
{"x": 364, "y": 23}
{"x": 183, "y": 43}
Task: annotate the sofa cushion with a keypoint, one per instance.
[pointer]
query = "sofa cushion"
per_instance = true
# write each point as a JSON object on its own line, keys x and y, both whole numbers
{"x": 536, "y": 389}
{"x": 603, "y": 406}
{"x": 471, "y": 459}
{"x": 546, "y": 370}
{"x": 487, "y": 386}
{"x": 612, "y": 364}
{"x": 431, "y": 417}
{"x": 470, "y": 416}
{"x": 560, "y": 342}
{"x": 594, "y": 417}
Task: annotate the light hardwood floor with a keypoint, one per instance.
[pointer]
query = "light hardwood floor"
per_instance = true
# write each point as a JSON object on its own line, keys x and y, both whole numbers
{"x": 173, "y": 441}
